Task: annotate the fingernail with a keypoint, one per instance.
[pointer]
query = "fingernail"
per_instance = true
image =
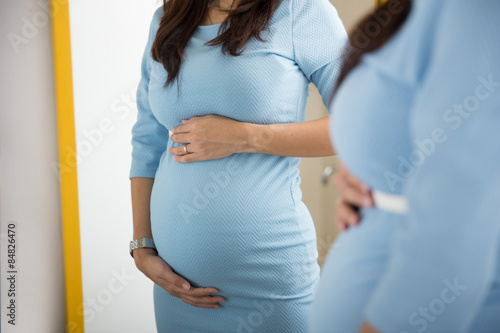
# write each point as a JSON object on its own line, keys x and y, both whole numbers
{"x": 185, "y": 285}
{"x": 367, "y": 202}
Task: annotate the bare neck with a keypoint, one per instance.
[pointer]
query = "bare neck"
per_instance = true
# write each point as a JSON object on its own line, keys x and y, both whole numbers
{"x": 217, "y": 13}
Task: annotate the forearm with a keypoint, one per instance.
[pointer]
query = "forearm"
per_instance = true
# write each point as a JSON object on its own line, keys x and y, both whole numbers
{"x": 305, "y": 139}
{"x": 141, "y": 194}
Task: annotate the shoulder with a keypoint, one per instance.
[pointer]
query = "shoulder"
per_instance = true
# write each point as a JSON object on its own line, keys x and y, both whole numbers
{"x": 155, "y": 21}
{"x": 307, "y": 7}
{"x": 314, "y": 18}
{"x": 158, "y": 14}
{"x": 301, "y": 8}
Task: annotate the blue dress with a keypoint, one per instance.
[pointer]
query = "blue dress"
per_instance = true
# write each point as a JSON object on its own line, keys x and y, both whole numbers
{"x": 238, "y": 223}
{"x": 420, "y": 117}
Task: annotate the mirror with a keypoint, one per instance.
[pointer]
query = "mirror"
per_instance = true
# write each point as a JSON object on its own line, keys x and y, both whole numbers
{"x": 107, "y": 43}
{"x": 106, "y": 68}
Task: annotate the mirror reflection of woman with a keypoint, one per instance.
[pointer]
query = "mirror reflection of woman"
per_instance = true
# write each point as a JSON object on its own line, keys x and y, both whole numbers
{"x": 216, "y": 145}
{"x": 416, "y": 118}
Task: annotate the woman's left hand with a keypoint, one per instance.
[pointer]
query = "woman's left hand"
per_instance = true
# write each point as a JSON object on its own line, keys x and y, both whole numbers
{"x": 208, "y": 138}
{"x": 353, "y": 194}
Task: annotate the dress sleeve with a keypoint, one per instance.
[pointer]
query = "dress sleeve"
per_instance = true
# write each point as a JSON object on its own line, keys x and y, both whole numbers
{"x": 149, "y": 137}
{"x": 445, "y": 259}
{"x": 319, "y": 39}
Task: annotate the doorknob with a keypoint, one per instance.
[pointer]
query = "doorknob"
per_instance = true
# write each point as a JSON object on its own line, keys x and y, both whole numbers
{"x": 327, "y": 172}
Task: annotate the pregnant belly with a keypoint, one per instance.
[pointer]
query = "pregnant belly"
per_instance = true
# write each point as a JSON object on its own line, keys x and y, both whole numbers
{"x": 230, "y": 217}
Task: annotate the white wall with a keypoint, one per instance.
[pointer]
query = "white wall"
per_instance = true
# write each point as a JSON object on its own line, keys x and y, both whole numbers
{"x": 29, "y": 185}
{"x": 108, "y": 40}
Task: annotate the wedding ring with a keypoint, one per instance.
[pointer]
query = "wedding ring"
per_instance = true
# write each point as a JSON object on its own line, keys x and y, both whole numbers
{"x": 186, "y": 149}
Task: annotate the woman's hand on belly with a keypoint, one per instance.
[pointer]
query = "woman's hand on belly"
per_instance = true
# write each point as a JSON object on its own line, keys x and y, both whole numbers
{"x": 353, "y": 194}
{"x": 156, "y": 269}
{"x": 213, "y": 137}
{"x": 208, "y": 138}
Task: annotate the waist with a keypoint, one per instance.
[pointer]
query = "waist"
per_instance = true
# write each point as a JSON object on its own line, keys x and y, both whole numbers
{"x": 390, "y": 202}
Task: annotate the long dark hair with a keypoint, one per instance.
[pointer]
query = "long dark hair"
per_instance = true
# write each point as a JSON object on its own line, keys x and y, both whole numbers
{"x": 181, "y": 17}
{"x": 371, "y": 33}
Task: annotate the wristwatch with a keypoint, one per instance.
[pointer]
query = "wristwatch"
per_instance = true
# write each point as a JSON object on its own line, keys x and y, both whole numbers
{"x": 142, "y": 242}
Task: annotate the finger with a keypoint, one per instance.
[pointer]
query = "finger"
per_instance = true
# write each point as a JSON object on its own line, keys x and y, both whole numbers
{"x": 176, "y": 282}
{"x": 341, "y": 222}
{"x": 352, "y": 192}
{"x": 181, "y": 286}
{"x": 352, "y": 181}
{"x": 179, "y": 151}
{"x": 178, "y": 290}
{"x": 341, "y": 225}
{"x": 185, "y": 121}
{"x": 358, "y": 184}
{"x": 181, "y": 138}
{"x": 187, "y": 158}
{"x": 176, "y": 150}
{"x": 201, "y": 305}
{"x": 347, "y": 215}
{"x": 353, "y": 196}
{"x": 214, "y": 299}
{"x": 184, "y": 128}
{"x": 201, "y": 292}
{"x": 340, "y": 181}
{"x": 349, "y": 178}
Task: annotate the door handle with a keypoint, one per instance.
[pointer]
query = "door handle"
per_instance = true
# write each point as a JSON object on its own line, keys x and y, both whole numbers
{"x": 327, "y": 172}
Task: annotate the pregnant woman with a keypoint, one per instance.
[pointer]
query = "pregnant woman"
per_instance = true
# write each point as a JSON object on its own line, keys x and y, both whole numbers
{"x": 216, "y": 146}
{"x": 425, "y": 258}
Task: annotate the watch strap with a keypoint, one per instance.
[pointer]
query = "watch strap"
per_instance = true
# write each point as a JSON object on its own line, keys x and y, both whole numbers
{"x": 140, "y": 243}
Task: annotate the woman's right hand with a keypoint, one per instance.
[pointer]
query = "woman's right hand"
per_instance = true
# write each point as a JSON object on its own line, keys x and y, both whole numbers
{"x": 155, "y": 268}
{"x": 353, "y": 194}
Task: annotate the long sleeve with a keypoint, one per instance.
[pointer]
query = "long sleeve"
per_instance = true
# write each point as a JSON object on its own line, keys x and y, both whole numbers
{"x": 445, "y": 259}
{"x": 319, "y": 39}
{"x": 149, "y": 137}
